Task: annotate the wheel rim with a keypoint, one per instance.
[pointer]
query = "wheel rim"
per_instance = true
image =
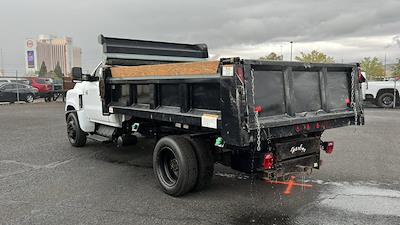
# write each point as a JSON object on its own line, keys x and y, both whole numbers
{"x": 387, "y": 100}
{"x": 71, "y": 129}
{"x": 29, "y": 98}
{"x": 169, "y": 166}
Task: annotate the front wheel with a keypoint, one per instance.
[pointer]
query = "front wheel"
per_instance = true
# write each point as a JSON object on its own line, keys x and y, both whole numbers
{"x": 76, "y": 136}
{"x": 29, "y": 98}
{"x": 175, "y": 165}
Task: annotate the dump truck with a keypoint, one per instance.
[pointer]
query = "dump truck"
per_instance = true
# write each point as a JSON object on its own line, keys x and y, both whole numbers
{"x": 264, "y": 118}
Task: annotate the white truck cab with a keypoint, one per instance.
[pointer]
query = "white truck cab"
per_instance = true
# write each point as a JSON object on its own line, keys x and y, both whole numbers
{"x": 84, "y": 102}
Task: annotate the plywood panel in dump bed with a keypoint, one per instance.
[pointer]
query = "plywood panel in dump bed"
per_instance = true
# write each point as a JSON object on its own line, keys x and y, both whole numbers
{"x": 173, "y": 69}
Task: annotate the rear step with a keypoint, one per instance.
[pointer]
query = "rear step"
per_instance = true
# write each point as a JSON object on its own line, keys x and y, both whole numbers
{"x": 99, "y": 138}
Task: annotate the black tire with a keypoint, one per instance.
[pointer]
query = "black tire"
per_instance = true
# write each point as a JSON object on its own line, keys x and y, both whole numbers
{"x": 386, "y": 100}
{"x": 47, "y": 99}
{"x": 175, "y": 165}
{"x": 29, "y": 98}
{"x": 76, "y": 136}
{"x": 205, "y": 162}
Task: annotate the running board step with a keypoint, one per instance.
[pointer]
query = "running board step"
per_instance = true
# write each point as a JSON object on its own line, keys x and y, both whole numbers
{"x": 99, "y": 138}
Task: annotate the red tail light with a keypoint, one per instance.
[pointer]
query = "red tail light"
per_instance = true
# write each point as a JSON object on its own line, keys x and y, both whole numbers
{"x": 268, "y": 162}
{"x": 258, "y": 109}
{"x": 328, "y": 146}
{"x": 347, "y": 101}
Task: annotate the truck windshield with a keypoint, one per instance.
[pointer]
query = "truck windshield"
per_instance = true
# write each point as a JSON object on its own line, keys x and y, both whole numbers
{"x": 96, "y": 71}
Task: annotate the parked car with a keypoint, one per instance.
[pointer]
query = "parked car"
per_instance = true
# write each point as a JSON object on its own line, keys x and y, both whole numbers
{"x": 44, "y": 85}
{"x": 9, "y": 92}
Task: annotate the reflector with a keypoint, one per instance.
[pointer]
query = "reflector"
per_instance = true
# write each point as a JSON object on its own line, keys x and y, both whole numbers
{"x": 268, "y": 162}
{"x": 327, "y": 146}
{"x": 297, "y": 128}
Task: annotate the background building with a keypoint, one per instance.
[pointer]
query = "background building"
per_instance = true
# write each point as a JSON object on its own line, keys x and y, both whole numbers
{"x": 52, "y": 50}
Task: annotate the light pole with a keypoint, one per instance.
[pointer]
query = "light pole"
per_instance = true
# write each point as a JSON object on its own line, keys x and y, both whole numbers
{"x": 385, "y": 66}
{"x": 291, "y": 50}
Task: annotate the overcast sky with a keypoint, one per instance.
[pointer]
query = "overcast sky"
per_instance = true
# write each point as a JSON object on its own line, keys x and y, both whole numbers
{"x": 346, "y": 30}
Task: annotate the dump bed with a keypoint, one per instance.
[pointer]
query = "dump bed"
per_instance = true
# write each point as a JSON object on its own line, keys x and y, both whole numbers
{"x": 231, "y": 97}
{"x": 289, "y": 97}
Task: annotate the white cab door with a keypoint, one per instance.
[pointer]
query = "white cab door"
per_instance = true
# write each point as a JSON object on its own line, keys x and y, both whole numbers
{"x": 92, "y": 102}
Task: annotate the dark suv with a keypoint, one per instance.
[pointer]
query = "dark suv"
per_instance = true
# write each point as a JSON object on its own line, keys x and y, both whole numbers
{"x": 9, "y": 92}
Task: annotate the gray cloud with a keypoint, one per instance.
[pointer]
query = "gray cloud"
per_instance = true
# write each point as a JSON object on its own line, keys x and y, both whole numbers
{"x": 395, "y": 42}
{"x": 222, "y": 24}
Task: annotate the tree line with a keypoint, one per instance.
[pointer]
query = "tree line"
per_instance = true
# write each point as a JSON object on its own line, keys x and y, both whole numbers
{"x": 56, "y": 74}
{"x": 372, "y": 66}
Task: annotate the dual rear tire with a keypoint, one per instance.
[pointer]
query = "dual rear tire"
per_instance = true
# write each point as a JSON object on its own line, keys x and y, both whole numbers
{"x": 182, "y": 164}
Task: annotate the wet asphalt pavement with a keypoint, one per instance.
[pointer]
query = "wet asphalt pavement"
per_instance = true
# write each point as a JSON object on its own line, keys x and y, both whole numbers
{"x": 43, "y": 180}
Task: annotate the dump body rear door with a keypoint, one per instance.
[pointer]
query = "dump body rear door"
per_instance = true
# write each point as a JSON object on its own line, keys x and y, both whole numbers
{"x": 290, "y": 92}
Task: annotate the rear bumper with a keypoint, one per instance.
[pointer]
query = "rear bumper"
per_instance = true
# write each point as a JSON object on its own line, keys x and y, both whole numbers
{"x": 293, "y": 155}
{"x": 297, "y": 165}
{"x": 243, "y": 162}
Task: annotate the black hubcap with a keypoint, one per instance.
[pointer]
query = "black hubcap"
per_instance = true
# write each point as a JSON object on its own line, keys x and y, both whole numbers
{"x": 169, "y": 166}
{"x": 387, "y": 100}
{"x": 29, "y": 98}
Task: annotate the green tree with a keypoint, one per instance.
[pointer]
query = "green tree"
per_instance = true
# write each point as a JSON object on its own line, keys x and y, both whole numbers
{"x": 314, "y": 57}
{"x": 272, "y": 57}
{"x": 396, "y": 69}
{"x": 43, "y": 70}
{"x": 373, "y": 68}
{"x": 58, "y": 71}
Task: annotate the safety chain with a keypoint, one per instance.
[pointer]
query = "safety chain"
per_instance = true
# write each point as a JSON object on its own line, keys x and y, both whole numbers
{"x": 353, "y": 94}
{"x": 256, "y": 113}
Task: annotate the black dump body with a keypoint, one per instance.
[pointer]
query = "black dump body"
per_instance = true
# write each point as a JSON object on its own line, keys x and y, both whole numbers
{"x": 280, "y": 104}
{"x": 293, "y": 97}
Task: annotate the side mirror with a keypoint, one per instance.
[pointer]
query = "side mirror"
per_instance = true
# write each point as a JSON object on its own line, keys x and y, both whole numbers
{"x": 76, "y": 73}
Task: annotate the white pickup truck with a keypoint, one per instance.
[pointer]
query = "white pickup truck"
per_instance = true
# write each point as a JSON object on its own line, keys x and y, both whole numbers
{"x": 381, "y": 93}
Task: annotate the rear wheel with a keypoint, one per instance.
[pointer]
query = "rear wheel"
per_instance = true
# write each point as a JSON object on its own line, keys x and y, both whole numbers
{"x": 175, "y": 165}
{"x": 76, "y": 136}
{"x": 205, "y": 162}
{"x": 386, "y": 100}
